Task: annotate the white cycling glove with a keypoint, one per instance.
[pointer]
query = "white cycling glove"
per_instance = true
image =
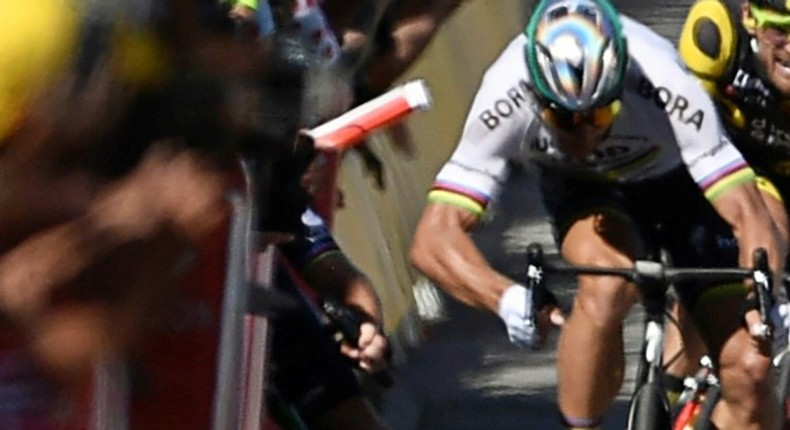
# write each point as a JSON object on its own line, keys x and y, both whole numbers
{"x": 515, "y": 309}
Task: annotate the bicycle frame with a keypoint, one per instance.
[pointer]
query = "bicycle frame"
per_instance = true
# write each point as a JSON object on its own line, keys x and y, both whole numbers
{"x": 653, "y": 280}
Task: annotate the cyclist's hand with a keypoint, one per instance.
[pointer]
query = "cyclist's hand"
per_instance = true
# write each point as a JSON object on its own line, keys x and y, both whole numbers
{"x": 550, "y": 316}
{"x": 515, "y": 309}
{"x": 371, "y": 351}
{"x": 754, "y": 324}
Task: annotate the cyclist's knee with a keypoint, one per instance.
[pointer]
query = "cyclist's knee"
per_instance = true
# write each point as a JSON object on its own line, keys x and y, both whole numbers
{"x": 745, "y": 370}
{"x": 605, "y": 301}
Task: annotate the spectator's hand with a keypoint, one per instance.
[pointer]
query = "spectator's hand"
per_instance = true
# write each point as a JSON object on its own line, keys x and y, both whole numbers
{"x": 371, "y": 351}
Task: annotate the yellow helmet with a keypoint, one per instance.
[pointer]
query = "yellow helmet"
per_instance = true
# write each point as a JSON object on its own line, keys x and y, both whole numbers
{"x": 37, "y": 39}
{"x": 40, "y": 40}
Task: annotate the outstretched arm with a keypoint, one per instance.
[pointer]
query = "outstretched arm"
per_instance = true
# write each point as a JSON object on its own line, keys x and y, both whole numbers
{"x": 444, "y": 252}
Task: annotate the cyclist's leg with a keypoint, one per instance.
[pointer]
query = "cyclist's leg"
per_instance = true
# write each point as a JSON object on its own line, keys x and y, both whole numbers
{"x": 699, "y": 237}
{"x": 594, "y": 229}
{"x": 589, "y": 381}
{"x": 744, "y": 365}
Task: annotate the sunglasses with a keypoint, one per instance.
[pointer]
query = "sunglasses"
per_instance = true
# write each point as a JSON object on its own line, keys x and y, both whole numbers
{"x": 599, "y": 117}
{"x": 764, "y": 17}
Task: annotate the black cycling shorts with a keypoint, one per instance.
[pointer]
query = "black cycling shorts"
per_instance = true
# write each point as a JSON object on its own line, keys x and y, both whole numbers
{"x": 670, "y": 213}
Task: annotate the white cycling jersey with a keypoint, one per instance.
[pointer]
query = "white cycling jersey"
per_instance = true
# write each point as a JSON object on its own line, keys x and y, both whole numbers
{"x": 666, "y": 120}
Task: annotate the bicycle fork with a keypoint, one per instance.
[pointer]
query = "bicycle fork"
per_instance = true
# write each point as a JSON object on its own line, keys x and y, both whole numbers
{"x": 654, "y": 348}
{"x": 651, "y": 362}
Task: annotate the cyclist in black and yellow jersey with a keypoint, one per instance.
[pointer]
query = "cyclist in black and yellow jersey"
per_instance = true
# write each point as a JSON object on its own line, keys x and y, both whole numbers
{"x": 740, "y": 51}
{"x": 742, "y": 56}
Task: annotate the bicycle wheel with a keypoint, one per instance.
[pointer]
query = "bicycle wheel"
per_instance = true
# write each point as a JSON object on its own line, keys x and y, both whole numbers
{"x": 649, "y": 409}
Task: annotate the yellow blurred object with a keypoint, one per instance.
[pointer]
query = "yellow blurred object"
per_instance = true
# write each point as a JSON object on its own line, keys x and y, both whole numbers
{"x": 37, "y": 39}
{"x": 139, "y": 57}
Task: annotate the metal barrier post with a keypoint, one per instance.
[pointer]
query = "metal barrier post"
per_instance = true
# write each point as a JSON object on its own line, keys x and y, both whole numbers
{"x": 228, "y": 387}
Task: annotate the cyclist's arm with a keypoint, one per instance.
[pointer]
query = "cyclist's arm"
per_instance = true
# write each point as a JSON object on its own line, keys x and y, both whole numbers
{"x": 495, "y": 132}
{"x": 334, "y": 275}
{"x": 743, "y": 208}
{"x": 713, "y": 161}
{"x": 327, "y": 270}
{"x": 445, "y": 253}
{"x": 325, "y": 267}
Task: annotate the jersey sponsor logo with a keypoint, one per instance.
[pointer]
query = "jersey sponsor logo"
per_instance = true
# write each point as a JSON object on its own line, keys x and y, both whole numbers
{"x": 724, "y": 142}
{"x": 755, "y": 98}
{"x": 503, "y": 108}
{"x": 766, "y": 131}
{"x": 618, "y": 155}
{"x": 751, "y": 88}
{"x": 676, "y": 105}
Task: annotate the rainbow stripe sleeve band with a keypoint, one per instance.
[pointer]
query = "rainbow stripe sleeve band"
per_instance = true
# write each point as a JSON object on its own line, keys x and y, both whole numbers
{"x": 452, "y": 195}
{"x": 717, "y": 184}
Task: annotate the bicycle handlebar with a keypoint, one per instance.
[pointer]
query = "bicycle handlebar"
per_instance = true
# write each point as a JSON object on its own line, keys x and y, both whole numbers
{"x": 644, "y": 270}
{"x": 648, "y": 271}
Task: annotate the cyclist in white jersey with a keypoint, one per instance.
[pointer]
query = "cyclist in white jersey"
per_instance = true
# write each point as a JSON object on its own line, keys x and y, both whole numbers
{"x": 625, "y": 140}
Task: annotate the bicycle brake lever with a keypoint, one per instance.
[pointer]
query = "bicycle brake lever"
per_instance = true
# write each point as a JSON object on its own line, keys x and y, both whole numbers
{"x": 534, "y": 255}
{"x": 760, "y": 331}
{"x": 762, "y": 290}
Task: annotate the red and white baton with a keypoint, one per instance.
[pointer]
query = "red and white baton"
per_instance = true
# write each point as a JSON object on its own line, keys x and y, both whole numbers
{"x": 388, "y": 108}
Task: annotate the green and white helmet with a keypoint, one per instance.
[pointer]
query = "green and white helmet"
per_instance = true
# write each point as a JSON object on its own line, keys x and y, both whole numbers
{"x": 576, "y": 53}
